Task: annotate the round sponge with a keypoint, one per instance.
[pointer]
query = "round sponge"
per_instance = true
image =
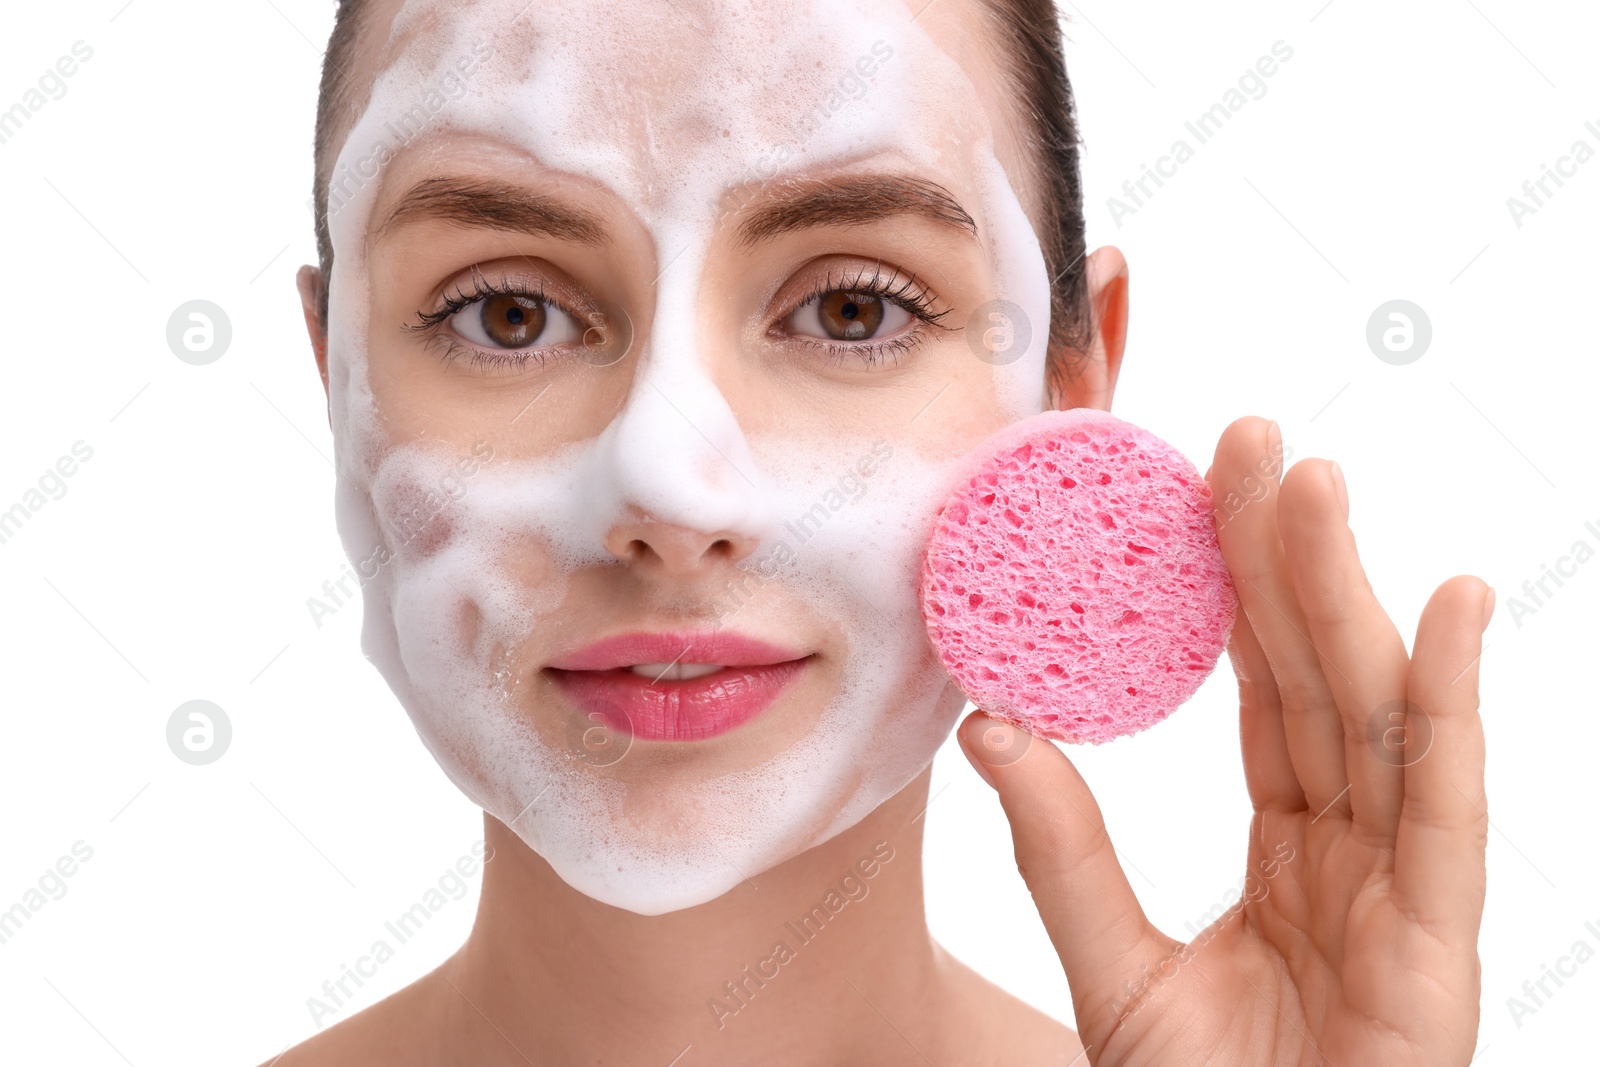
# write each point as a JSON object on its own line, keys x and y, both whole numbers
{"x": 1073, "y": 585}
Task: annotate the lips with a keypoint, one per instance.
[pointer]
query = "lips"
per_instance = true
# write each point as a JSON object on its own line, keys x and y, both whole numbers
{"x": 685, "y": 686}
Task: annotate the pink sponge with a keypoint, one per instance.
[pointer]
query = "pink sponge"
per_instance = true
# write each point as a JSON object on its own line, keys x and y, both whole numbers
{"x": 1073, "y": 585}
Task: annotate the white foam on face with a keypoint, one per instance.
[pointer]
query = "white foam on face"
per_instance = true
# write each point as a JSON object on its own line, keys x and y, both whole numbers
{"x": 669, "y": 105}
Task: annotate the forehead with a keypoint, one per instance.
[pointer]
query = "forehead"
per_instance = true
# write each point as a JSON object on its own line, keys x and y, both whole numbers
{"x": 669, "y": 102}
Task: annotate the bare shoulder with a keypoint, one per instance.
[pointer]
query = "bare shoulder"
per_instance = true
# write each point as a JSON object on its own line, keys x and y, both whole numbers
{"x": 1004, "y": 1029}
{"x": 397, "y": 1031}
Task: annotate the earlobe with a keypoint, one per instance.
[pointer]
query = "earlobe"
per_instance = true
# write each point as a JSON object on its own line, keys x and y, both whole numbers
{"x": 309, "y": 282}
{"x": 1091, "y": 375}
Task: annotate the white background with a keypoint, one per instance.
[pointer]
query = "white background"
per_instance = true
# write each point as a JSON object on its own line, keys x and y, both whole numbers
{"x": 178, "y": 166}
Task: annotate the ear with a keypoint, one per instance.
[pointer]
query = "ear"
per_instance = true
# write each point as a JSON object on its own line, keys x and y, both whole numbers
{"x": 1088, "y": 378}
{"x": 309, "y": 281}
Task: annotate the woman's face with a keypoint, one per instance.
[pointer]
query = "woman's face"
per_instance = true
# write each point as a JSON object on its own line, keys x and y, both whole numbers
{"x": 657, "y": 334}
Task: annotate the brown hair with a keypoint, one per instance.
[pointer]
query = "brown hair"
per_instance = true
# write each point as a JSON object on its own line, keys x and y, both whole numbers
{"x": 1029, "y": 33}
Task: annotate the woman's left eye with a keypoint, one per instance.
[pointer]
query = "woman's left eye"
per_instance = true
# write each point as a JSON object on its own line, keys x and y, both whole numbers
{"x": 515, "y": 321}
{"x": 843, "y": 315}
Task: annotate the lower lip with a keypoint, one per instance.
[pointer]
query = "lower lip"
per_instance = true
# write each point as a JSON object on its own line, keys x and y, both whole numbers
{"x": 677, "y": 710}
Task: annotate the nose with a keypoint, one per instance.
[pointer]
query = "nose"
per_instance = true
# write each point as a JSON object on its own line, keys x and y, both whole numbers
{"x": 665, "y": 550}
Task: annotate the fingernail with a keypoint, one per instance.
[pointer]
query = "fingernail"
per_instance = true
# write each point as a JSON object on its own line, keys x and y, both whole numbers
{"x": 1339, "y": 488}
{"x": 1488, "y": 607}
{"x": 971, "y": 733}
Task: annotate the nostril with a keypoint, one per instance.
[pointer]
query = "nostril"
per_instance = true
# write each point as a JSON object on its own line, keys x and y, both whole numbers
{"x": 655, "y": 545}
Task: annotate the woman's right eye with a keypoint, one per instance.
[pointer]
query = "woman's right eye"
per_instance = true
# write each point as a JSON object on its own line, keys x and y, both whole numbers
{"x": 514, "y": 321}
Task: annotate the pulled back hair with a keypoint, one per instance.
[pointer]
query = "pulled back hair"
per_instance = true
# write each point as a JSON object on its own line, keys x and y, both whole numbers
{"x": 1028, "y": 34}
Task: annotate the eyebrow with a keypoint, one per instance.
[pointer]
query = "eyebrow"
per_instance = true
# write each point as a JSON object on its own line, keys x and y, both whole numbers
{"x": 804, "y": 203}
{"x": 490, "y": 204}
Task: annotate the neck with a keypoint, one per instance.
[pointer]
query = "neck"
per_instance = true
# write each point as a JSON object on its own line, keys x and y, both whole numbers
{"x": 810, "y": 957}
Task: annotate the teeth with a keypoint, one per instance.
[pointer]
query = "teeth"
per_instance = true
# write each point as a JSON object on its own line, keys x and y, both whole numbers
{"x": 674, "y": 672}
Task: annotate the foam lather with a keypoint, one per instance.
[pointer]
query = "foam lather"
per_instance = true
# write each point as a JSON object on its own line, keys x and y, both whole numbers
{"x": 1073, "y": 585}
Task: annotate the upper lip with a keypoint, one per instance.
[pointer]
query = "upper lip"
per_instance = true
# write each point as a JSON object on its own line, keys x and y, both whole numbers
{"x": 683, "y": 646}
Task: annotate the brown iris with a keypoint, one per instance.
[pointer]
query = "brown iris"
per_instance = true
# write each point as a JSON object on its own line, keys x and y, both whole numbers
{"x": 513, "y": 321}
{"x": 850, "y": 316}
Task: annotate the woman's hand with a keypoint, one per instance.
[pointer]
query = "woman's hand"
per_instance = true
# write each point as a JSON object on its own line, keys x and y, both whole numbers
{"x": 1355, "y": 941}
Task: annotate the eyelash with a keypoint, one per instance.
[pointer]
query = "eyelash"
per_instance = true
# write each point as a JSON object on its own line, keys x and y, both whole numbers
{"x": 909, "y": 293}
{"x": 482, "y": 289}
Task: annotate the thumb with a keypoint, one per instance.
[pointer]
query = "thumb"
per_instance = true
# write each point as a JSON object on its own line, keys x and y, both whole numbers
{"x": 1067, "y": 861}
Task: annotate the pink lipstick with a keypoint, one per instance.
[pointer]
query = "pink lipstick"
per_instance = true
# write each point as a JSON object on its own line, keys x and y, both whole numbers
{"x": 676, "y": 686}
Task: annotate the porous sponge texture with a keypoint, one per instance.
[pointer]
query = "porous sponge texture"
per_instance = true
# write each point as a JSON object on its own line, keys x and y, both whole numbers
{"x": 1073, "y": 585}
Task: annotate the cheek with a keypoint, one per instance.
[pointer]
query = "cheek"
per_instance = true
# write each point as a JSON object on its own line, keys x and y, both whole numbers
{"x": 472, "y": 569}
{"x": 858, "y": 516}
{"x": 416, "y": 517}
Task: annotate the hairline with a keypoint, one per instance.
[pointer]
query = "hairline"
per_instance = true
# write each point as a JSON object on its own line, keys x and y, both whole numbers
{"x": 1027, "y": 61}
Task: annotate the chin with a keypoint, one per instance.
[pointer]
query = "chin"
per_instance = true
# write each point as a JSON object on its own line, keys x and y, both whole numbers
{"x": 651, "y": 844}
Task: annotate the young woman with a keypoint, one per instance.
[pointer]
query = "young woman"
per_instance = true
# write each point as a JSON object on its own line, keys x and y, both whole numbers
{"x": 652, "y": 332}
